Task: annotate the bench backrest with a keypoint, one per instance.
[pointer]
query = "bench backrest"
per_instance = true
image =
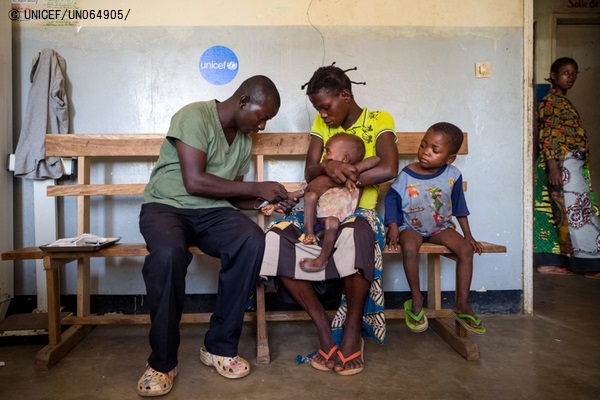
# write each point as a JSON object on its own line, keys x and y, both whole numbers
{"x": 88, "y": 146}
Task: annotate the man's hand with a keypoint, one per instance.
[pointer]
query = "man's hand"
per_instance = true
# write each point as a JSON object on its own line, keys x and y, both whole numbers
{"x": 273, "y": 192}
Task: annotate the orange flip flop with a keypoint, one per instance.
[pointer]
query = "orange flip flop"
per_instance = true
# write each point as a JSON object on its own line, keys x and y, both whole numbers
{"x": 353, "y": 371}
{"x": 326, "y": 356}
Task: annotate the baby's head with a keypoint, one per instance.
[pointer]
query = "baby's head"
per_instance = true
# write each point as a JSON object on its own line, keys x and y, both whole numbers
{"x": 452, "y": 132}
{"x": 345, "y": 147}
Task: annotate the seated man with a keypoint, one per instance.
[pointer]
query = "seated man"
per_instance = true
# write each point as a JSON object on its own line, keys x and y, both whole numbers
{"x": 193, "y": 198}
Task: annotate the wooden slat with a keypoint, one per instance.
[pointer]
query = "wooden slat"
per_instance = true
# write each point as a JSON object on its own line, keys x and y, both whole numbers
{"x": 119, "y": 189}
{"x": 462, "y": 344}
{"x": 25, "y": 253}
{"x": 97, "y": 189}
{"x": 200, "y": 318}
{"x": 276, "y": 144}
{"x": 123, "y": 189}
{"x": 104, "y": 145}
{"x": 116, "y": 250}
{"x": 148, "y": 144}
{"x": 52, "y": 353}
{"x": 139, "y": 249}
{"x": 431, "y": 248}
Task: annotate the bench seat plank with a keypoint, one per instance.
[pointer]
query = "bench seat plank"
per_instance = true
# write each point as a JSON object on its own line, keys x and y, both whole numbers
{"x": 116, "y": 250}
{"x": 139, "y": 249}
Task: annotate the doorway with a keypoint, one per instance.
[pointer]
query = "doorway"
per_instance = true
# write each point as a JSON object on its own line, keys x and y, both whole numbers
{"x": 580, "y": 40}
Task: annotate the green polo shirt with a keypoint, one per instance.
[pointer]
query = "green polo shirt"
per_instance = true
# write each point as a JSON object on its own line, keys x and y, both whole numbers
{"x": 198, "y": 126}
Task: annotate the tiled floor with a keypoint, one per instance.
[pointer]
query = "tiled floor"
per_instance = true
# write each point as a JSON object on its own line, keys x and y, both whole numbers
{"x": 554, "y": 354}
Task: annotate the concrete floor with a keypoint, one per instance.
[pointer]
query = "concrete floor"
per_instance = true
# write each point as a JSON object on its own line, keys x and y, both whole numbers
{"x": 554, "y": 354}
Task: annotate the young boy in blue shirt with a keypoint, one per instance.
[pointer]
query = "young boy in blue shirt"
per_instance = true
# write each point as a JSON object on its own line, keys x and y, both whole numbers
{"x": 419, "y": 208}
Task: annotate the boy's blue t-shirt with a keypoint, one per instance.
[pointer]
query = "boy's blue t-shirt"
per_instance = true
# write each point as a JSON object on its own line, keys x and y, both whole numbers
{"x": 426, "y": 203}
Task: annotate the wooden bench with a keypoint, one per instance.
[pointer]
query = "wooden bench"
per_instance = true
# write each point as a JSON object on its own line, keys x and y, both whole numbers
{"x": 266, "y": 146}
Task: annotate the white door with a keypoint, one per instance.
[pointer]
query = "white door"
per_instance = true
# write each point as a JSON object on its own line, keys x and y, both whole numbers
{"x": 582, "y": 43}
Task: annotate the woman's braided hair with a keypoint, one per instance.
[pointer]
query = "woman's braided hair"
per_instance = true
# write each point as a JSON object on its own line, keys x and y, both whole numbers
{"x": 331, "y": 79}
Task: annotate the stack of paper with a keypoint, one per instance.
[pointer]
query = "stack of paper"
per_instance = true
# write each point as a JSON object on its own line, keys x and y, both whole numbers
{"x": 87, "y": 239}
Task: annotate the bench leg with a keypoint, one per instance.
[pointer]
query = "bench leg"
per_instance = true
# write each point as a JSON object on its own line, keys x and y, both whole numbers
{"x": 83, "y": 287}
{"x": 262, "y": 338}
{"x": 53, "y": 293}
{"x": 59, "y": 343}
{"x": 434, "y": 285}
{"x": 447, "y": 330}
{"x": 51, "y": 354}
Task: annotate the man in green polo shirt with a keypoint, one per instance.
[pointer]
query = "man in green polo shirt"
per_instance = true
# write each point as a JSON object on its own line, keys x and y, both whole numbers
{"x": 193, "y": 198}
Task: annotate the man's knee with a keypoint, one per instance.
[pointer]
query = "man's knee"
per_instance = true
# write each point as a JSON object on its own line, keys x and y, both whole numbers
{"x": 252, "y": 236}
{"x": 170, "y": 253}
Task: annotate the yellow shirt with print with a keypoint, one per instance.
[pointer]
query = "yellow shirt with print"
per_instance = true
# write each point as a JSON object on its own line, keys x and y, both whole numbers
{"x": 368, "y": 127}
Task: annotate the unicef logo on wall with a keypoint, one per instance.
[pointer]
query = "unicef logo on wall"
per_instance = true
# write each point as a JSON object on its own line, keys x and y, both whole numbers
{"x": 218, "y": 65}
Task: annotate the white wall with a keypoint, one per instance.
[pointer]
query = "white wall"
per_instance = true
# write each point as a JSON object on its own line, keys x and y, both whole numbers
{"x": 6, "y": 184}
{"x": 418, "y": 60}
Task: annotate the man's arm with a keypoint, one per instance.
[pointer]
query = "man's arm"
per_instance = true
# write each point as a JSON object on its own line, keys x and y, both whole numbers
{"x": 198, "y": 182}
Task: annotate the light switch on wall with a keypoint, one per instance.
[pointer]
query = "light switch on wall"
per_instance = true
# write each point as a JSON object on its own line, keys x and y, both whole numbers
{"x": 483, "y": 69}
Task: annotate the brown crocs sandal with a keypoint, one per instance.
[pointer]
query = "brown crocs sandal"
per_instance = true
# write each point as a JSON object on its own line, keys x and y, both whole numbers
{"x": 156, "y": 383}
{"x": 230, "y": 367}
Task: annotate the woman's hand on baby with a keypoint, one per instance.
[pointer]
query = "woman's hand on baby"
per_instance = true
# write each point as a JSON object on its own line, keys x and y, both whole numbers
{"x": 339, "y": 172}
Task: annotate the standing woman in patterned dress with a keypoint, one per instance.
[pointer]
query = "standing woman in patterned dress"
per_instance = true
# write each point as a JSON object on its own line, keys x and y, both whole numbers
{"x": 566, "y": 228}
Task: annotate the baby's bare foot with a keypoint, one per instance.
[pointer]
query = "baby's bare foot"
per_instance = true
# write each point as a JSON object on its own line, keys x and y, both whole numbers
{"x": 310, "y": 239}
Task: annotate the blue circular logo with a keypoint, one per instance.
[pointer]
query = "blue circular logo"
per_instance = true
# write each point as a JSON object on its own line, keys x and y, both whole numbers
{"x": 218, "y": 65}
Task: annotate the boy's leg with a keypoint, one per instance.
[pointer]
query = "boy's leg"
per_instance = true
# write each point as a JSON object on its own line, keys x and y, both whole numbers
{"x": 318, "y": 264}
{"x": 464, "y": 266}
{"x": 410, "y": 242}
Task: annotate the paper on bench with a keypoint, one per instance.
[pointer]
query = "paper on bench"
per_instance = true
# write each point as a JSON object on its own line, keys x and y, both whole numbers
{"x": 87, "y": 239}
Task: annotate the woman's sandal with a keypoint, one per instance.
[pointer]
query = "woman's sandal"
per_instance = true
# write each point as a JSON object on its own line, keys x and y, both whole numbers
{"x": 352, "y": 371}
{"x": 326, "y": 356}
